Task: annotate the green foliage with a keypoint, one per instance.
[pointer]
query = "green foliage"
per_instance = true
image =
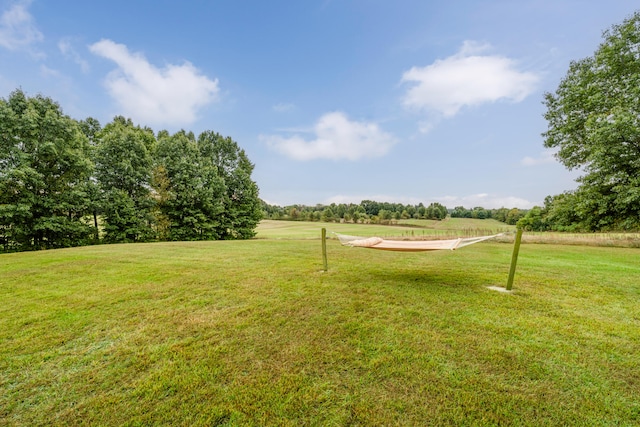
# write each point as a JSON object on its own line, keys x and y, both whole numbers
{"x": 477, "y": 212}
{"x": 435, "y": 211}
{"x": 385, "y": 212}
{"x": 162, "y": 195}
{"x": 460, "y": 212}
{"x": 203, "y": 188}
{"x": 533, "y": 220}
{"x": 560, "y": 212}
{"x": 194, "y": 202}
{"x": 67, "y": 183}
{"x": 594, "y": 122}
{"x": 513, "y": 216}
{"x": 123, "y": 158}
{"x": 328, "y": 215}
{"x": 44, "y": 176}
{"x": 241, "y": 205}
{"x": 125, "y": 220}
{"x": 90, "y": 127}
{"x": 480, "y": 213}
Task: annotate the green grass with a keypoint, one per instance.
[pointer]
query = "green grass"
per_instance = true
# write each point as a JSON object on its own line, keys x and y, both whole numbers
{"x": 253, "y": 333}
{"x": 412, "y": 229}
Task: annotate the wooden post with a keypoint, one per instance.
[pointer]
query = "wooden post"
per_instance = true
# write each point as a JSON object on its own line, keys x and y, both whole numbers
{"x": 514, "y": 258}
{"x": 324, "y": 249}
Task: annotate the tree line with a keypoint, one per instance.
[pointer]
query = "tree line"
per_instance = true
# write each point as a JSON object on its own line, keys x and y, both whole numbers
{"x": 366, "y": 211}
{"x": 66, "y": 183}
{"x": 369, "y": 211}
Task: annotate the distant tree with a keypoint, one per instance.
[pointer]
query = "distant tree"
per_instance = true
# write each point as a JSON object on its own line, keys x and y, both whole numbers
{"x": 436, "y": 211}
{"x": 293, "y": 213}
{"x": 328, "y": 215}
{"x": 514, "y": 215}
{"x": 594, "y": 122}
{"x": 460, "y": 212}
{"x": 370, "y": 207}
{"x": 359, "y": 215}
{"x": 44, "y": 175}
{"x": 272, "y": 211}
{"x": 350, "y": 215}
{"x": 533, "y": 220}
{"x": 479, "y": 213}
{"x": 421, "y": 210}
{"x": 500, "y": 214}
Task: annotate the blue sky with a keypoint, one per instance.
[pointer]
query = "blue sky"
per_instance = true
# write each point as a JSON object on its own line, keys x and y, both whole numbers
{"x": 334, "y": 101}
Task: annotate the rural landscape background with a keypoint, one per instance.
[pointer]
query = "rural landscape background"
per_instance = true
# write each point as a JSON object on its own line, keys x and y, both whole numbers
{"x": 145, "y": 278}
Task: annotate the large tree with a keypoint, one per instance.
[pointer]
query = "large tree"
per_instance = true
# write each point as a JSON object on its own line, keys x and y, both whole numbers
{"x": 242, "y": 210}
{"x": 594, "y": 122}
{"x": 188, "y": 190}
{"x": 123, "y": 157}
{"x": 44, "y": 175}
{"x": 203, "y": 188}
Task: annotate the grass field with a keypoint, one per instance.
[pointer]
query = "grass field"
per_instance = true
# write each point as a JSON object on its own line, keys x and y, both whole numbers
{"x": 407, "y": 229}
{"x": 253, "y": 333}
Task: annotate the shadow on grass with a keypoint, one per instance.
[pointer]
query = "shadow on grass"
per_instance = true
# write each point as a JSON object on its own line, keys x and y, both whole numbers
{"x": 437, "y": 275}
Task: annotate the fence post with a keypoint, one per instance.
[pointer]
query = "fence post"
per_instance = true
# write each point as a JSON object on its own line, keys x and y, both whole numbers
{"x": 514, "y": 258}
{"x": 324, "y": 249}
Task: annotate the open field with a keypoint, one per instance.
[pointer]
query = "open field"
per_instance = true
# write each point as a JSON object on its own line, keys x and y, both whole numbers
{"x": 408, "y": 229}
{"x": 253, "y": 333}
{"x": 451, "y": 227}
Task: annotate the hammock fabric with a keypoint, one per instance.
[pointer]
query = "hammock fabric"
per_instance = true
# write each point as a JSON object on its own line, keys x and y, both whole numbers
{"x": 409, "y": 245}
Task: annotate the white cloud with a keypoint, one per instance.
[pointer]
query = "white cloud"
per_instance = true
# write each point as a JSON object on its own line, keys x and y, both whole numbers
{"x": 283, "y": 107}
{"x": 49, "y": 72}
{"x": 17, "y": 28}
{"x": 168, "y": 96}
{"x": 68, "y": 51}
{"x": 465, "y": 79}
{"x": 336, "y": 137}
{"x": 545, "y": 157}
{"x": 485, "y": 200}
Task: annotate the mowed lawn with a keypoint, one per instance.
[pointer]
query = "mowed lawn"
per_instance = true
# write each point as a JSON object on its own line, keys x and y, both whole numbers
{"x": 254, "y": 333}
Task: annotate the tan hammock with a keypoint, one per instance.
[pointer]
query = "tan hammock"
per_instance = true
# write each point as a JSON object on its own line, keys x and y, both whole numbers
{"x": 410, "y": 245}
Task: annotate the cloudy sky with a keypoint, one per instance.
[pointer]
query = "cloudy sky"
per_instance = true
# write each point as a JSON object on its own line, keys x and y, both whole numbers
{"x": 333, "y": 100}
